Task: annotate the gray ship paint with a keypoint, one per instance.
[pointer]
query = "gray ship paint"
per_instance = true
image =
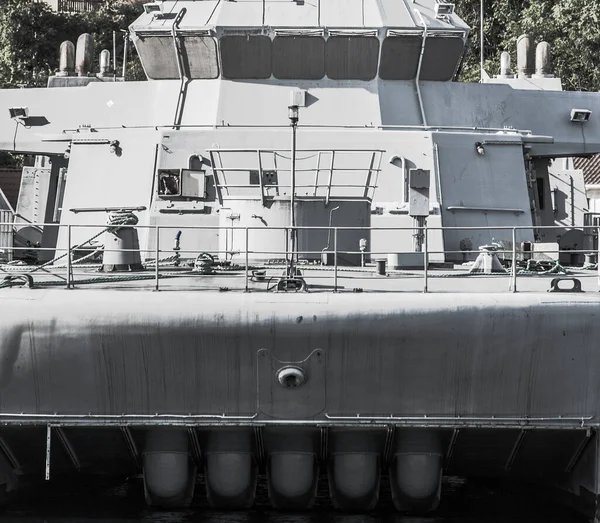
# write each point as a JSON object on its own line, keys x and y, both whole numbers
{"x": 262, "y": 126}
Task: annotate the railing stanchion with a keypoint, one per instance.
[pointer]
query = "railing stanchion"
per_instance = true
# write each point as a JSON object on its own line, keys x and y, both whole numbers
{"x": 425, "y": 259}
{"x": 514, "y": 260}
{"x": 156, "y": 256}
{"x": 335, "y": 259}
{"x": 598, "y": 257}
{"x": 69, "y": 268}
{"x": 246, "y": 275}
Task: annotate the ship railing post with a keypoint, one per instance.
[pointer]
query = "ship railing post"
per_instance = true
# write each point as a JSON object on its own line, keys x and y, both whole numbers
{"x": 598, "y": 256}
{"x": 48, "y": 447}
{"x": 287, "y": 249}
{"x": 69, "y": 268}
{"x": 514, "y": 261}
{"x": 425, "y": 259}
{"x": 335, "y": 259}
{"x": 156, "y": 256}
{"x": 246, "y": 274}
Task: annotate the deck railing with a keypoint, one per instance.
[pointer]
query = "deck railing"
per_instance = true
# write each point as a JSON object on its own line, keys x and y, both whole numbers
{"x": 246, "y": 266}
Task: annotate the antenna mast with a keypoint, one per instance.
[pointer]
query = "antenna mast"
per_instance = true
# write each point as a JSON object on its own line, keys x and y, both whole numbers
{"x": 481, "y": 38}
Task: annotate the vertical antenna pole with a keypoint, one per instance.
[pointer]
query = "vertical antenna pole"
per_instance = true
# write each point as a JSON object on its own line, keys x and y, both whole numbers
{"x": 125, "y": 50}
{"x": 292, "y": 202}
{"x": 293, "y": 115}
{"x": 115, "y": 52}
{"x": 481, "y": 38}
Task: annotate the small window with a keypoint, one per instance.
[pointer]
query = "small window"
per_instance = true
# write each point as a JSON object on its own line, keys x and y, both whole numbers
{"x": 169, "y": 182}
{"x": 157, "y": 53}
{"x": 200, "y": 57}
{"x": 246, "y": 57}
{"x": 181, "y": 183}
{"x": 352, "y": 57}
{"x": 298, "y": 57}
{"x": 400, "y": 57}
{"x": 441, "y": 58}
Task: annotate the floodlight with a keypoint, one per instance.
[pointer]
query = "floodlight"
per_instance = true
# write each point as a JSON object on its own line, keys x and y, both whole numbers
{"x": 580, "y": 115}
{"x": 293, "y": 114}
{"x": 443, "y": 9}
{"x": 153, "y": 8}
{"x": 19, "y": 112}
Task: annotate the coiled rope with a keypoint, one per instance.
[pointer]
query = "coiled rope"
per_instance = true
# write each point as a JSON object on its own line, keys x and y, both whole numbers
{"x": 204, "y": 263}
{"x": 118, "y": 219}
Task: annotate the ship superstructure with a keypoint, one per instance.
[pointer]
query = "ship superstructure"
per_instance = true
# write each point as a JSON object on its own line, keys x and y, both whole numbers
{"x": 278, "y": 157}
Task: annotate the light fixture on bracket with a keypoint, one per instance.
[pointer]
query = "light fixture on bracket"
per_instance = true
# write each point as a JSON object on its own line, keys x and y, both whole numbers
{"x": 154, "y": 8}
{"x": 443, "y": 9}
{"x": 19, "y": 113}
{"x": 480, "y": 149}
{"x": 580, "y": 115}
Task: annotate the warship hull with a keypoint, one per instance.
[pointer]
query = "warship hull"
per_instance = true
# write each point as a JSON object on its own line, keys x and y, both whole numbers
{"x": 170, "y": 385}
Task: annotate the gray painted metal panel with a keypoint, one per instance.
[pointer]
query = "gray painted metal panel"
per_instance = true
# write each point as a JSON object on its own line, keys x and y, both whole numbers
{"x": 179, "y": 353}
{"x": 265, "y": 104}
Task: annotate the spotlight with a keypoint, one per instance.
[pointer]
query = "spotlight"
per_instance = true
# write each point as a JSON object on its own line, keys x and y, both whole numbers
{"x": 153, "y": 8}
{"x": 480, "y": 149}
{"x": 580, "y": 115}
{"x": 443, "y": 9}
{"x": 293, "y": 114}
{"x": 19, "y": 112}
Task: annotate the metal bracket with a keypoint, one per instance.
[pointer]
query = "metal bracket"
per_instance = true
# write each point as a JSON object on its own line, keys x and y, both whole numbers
{"x": 22, "y": 277}
{"x": 451, "y": 447}
{"x": 515, "y": 450}
{"x": 555, "y": 285}
{"x": 291, "y": 284}
{"x": 132, "y": 447}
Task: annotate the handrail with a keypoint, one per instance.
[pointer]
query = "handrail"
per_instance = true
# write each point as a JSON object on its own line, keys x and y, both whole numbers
{"x": 279, "y": 254}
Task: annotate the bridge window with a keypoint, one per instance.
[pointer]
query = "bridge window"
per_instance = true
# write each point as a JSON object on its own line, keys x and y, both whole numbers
{"x": 400, "y": 57}
{"x": 198, "y": 57}
{"x": 169, "y": 182}
{"x": 352, "y": 57}
{"x": 246, "y": 57}
{"x": 157, "y": 54}
{"x": 441, "y": 58}
{"x": 299, "y": 57}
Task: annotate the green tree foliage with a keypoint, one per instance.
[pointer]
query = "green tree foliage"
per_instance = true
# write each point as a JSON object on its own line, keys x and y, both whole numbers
{"x": 31, "y": 34}
{"x": 30, "y": 38}
{"x": 571, "y": 27}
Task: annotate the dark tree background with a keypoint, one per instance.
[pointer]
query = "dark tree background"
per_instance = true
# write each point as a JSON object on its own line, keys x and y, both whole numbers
{"x": 572, "y": 27}
{"x": 31, "y": 34}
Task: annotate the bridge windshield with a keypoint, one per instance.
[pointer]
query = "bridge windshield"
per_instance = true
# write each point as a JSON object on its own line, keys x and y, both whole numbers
{"x": 198, "y": 56}
{"x": 300, "y": 57}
